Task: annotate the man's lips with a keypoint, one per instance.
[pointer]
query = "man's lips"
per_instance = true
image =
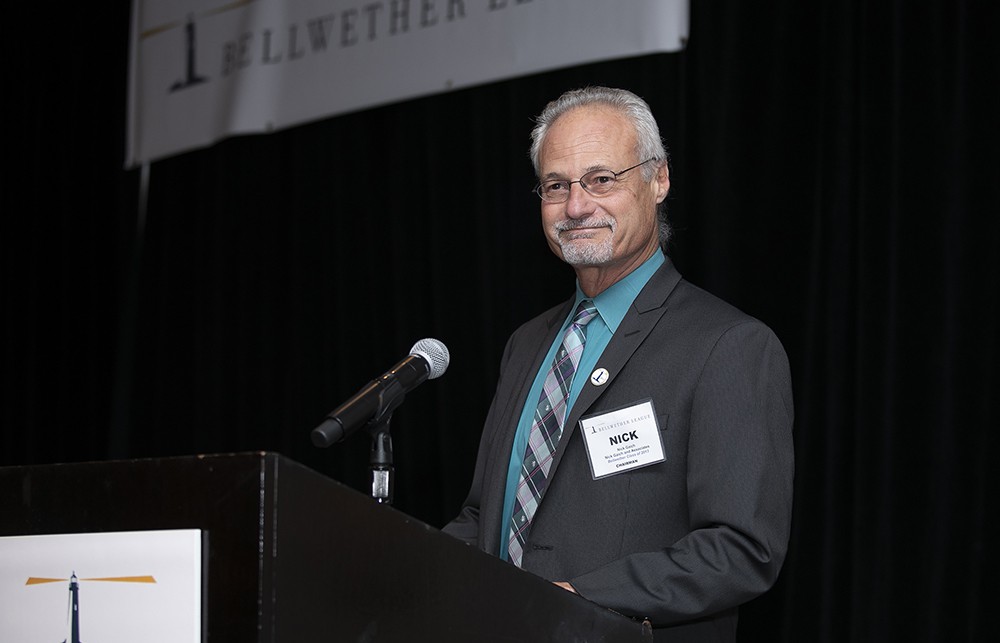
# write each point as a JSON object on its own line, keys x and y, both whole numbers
{"x": 582, "y": 232}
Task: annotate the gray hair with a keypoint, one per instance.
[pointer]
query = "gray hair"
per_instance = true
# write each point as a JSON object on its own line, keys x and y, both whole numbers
{"x": 649, "y": 144}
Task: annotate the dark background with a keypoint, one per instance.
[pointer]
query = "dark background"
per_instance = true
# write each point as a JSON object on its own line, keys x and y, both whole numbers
{"x": 835, "y": 174}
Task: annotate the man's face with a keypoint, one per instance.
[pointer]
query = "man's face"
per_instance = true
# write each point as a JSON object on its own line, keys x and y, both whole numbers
{"x": 614, "y": 232}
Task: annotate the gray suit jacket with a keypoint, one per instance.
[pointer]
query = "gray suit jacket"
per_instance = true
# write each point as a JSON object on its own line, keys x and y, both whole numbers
{"x": 683, "y": 542}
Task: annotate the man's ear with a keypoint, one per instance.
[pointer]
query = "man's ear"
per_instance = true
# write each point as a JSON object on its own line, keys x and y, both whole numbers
{"x": 662, "y": 183}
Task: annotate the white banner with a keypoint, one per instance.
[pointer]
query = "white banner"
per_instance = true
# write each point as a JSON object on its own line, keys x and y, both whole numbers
{"x": 201, "y": 70}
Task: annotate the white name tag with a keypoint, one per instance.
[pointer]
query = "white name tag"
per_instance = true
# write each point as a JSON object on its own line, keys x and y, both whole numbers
{"x": 622, "y": 440}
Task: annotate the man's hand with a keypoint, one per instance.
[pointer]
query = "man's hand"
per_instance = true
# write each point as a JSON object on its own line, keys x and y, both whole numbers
{"x": 564, "y": 585}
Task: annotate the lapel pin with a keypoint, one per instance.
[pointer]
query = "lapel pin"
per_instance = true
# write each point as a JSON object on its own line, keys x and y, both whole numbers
{"x": 600, "y": 377}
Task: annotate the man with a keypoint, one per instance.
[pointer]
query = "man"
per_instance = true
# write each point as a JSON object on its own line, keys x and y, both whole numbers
{"x": 651, "y": 471}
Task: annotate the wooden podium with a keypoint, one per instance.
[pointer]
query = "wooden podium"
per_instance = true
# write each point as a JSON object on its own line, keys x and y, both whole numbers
{"x": 295, "y": 556}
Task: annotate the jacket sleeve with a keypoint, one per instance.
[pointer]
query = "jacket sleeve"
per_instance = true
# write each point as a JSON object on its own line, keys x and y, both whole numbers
{"x": 467, "y": 525}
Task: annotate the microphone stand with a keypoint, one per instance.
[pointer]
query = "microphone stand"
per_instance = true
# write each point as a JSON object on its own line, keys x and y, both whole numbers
{"x": 381, "y": 465}
{"x": 382, "y": 469}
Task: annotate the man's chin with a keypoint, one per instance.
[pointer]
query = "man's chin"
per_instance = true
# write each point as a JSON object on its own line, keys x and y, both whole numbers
{"x": 585, "y": 253}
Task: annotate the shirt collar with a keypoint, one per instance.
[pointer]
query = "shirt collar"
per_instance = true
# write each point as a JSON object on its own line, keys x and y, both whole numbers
{"x": 613, "y": 303}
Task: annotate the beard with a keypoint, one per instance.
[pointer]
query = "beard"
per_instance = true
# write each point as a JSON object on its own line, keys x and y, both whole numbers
{"x": 587, "y": 252}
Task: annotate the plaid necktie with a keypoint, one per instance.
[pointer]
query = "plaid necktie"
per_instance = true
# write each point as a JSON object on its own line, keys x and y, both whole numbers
{"x": 547, "y": 429}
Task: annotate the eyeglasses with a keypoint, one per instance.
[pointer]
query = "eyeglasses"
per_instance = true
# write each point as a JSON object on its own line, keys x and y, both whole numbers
{"x": 596, "y": 183}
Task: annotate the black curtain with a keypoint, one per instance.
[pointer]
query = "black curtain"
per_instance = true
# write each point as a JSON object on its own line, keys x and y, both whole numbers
{"x": 835, "y": 174}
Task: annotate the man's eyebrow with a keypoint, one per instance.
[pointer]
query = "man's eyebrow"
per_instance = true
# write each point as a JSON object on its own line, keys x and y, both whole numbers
{"x": 556, "y": 175}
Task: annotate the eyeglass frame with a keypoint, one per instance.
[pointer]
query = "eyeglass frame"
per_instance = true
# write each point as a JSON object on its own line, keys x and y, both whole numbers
{"x": 569, "y": 184}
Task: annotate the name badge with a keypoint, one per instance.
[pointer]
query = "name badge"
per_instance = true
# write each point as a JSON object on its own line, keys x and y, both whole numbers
{"x": 622, "y": 440}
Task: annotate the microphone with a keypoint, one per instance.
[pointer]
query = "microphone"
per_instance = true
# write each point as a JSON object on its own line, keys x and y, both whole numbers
{"x": 428, "y": 359}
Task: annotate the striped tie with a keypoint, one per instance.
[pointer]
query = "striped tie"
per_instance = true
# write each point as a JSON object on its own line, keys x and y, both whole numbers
{"x": 546, "y": 429}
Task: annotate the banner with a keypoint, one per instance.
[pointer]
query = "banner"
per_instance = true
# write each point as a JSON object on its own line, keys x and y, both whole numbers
{"x": 201, "y": 70}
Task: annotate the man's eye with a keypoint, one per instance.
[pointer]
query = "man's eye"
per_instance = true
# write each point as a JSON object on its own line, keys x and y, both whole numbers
{"x": 555, "y": 186}
{"x": 602, "y": 179}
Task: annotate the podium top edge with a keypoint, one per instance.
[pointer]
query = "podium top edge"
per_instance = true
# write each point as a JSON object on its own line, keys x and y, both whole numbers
{"x": 235, "y": 455}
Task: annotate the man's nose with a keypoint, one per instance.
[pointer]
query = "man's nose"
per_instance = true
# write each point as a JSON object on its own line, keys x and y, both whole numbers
{"x": 579, "y": 203}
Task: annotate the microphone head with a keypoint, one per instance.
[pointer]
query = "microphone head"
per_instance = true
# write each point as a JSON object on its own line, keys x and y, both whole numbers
{"x": 435, "y": 353}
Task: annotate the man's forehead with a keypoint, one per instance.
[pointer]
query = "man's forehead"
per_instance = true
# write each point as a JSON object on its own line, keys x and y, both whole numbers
{"x": 591, "y": 134}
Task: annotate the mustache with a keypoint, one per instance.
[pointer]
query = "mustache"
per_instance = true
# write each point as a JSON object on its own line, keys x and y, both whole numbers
{"x": 595, "y": 221}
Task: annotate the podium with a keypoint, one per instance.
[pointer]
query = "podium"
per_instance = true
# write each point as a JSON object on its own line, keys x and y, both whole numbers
{"x": 292, "y": 555}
